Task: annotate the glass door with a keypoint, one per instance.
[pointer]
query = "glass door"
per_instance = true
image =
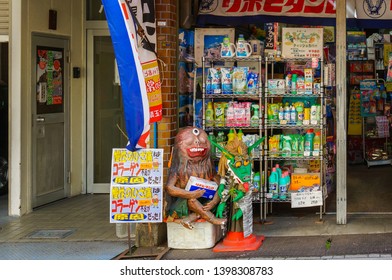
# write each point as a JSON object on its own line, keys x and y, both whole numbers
{"x": 105, "y": 124}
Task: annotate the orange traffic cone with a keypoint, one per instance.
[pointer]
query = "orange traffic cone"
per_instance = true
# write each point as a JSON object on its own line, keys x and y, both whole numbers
{"x": 235, "y": 241}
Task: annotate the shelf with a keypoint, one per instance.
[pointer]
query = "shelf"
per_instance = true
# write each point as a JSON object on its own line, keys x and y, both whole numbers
{"x": 284, "y": 60}
{"x": 232, "y": 96}
{"x": 293, "y": 126}
{"x": 298, "y": 157}
{"x": 285, "y": 93}
{"x": 209, "y": 128}
{"x": 378, "y": 162}
{"x": 234, "y": 59}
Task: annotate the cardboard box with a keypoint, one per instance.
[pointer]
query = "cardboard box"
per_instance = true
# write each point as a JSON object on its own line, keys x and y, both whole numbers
{"x": 195, "y": 183}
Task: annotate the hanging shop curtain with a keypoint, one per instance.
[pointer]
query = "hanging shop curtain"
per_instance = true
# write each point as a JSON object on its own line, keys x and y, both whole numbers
{"x": 133, "y": 32}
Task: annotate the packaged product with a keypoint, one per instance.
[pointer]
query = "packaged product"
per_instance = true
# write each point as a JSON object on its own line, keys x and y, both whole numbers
{"x": 253, "y": 82}
{"x": 215, "y": 86}
{"x": 227, "y": 80}
{"x": 219, "y": 109}
{"x": 240, "y": 80}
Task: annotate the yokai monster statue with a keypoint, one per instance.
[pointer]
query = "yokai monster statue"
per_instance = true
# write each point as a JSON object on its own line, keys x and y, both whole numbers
{"x": 235, "y": 192}
{"x": 191, "y": 157}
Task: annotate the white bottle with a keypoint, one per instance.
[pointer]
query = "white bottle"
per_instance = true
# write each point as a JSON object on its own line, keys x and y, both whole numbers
{"x": 313, "y": 114}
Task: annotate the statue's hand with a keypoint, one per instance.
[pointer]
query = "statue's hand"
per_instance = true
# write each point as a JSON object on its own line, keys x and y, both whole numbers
{"x": 237, "y": 215}
{"x": 197, "y": 193}
{"x": 239, "y": 195}
{"x": 219, "y": 210}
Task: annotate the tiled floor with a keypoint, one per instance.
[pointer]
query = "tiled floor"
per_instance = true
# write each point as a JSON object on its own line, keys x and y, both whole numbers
{"x": 86, "y": 214}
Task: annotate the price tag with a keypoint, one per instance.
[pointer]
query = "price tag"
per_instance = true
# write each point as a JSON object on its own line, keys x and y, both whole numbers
{"x": 306, "y": 199}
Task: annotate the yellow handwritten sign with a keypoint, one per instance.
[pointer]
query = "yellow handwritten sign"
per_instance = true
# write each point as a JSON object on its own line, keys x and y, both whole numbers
{"x": 304, "y": 180}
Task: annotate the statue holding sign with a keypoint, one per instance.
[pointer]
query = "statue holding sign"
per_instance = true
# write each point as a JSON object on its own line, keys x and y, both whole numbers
{"x": 192, "y": 180}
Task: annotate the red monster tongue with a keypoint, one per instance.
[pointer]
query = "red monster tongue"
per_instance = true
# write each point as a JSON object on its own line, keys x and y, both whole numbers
{"x": 196, "y": 152}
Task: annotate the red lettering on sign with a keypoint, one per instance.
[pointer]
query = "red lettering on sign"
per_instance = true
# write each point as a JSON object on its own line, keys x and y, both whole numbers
{"x": 297, "y": 6}
{"x": 274, "y": 6}
{"x": 316, "y": 7}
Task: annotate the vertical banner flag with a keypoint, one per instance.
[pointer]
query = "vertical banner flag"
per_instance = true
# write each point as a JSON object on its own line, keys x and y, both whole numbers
{"x": 137, "y": 65}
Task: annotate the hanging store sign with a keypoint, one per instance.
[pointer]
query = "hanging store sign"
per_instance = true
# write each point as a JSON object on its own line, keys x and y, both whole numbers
{"x": 371, "y": 9}
{"x": 304, "y": 8}
{"x": 136, "y": 186}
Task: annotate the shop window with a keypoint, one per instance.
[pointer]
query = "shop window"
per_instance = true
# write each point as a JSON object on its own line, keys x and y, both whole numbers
{"x": 94, "y": 11}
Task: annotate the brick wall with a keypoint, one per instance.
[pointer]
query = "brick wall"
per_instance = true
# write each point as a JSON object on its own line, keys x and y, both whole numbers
{"x": 166, "y": 11}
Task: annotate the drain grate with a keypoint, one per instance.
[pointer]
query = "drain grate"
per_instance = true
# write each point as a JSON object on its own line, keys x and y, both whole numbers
{"x": 51, "y": 233}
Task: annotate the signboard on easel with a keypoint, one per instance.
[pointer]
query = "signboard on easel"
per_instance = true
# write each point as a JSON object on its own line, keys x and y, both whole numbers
{"x": 136, "y": 186}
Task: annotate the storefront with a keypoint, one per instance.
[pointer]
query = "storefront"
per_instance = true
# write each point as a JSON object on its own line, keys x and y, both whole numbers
{"x": 263, "y": 22}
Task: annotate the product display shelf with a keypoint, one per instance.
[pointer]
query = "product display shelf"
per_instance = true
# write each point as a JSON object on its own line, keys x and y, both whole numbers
{"x": 253, "y": 97}
{"x": 271, "y": 158}
{"x": 385, "y": 160}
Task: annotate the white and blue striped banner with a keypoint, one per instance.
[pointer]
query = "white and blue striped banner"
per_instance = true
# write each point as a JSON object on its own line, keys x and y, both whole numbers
{"x": 132, "y": 57}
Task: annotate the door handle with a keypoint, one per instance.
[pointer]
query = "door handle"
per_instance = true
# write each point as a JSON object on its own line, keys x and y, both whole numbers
{"x": 40, "y": 119}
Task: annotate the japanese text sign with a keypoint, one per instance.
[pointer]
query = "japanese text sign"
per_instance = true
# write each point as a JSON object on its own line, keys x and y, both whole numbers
{"x": 136, "y": 186}
{"x": 302, "y": 43}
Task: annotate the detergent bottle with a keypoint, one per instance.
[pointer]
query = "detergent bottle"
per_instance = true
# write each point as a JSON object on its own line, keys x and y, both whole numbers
{"x": 308, "y": 143}
{"x": 278, "y": 170}
{"x": 209, "y": 115}
{"x": 230, "y": 135}
{"x": 240, "y": 134}
{"x": 317, "y": 144}
{"x": 273, "y": 184}
{"x": 256, "y": 182}
{"x": 254, "y": 120}
{"x": 284, "y": 184}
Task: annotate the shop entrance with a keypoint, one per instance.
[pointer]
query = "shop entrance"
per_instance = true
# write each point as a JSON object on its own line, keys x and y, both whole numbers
{"x": 50, "y": 133}
{"x": 104, "y": 111}
{"x": 369, "y": 153}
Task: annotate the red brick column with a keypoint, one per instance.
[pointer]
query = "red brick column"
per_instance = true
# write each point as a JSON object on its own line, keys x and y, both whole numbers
{"x": 166, "y": 14}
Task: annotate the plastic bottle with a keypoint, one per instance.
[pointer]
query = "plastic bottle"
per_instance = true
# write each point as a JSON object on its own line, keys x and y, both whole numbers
{"x": 241, "y": 48}
{"x": 273, "y": 184}
{"x": 256, "y": 181}
{"x": 317, "y": 144}
{"x": 294, "y": 84}
{"x": 220, "y": 139}
{"x": 308, "y": 145}
{"x": 209, "y": 114}
{"x": 254, "y": 120}
{"x": 284, "y": 184}
{"x": 281, "y": 115}
{"x": 278, "y": 170}
{"x": 287, "y": 112}
{"x": 293, "y": 115}
{"x": 306, "y": 116}
{"x": 313, "y": 114}
{"x": 300, "y": 114}
{"x": 230, "y": 135}
{"x": 211, "y": 136}
{"x": 240, "y": 134}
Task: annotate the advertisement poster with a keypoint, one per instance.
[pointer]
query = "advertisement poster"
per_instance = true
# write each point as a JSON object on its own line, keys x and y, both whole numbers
{"x": 302, "y": 43}
{"x": 136, "y": 186}
{"x": 50, "y": 63}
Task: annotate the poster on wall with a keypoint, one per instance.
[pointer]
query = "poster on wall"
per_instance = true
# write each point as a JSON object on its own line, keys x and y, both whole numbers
{"x": 136, "y": 186}
{"x": 302, "y": 43}
{"x": 50, "y": 80}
